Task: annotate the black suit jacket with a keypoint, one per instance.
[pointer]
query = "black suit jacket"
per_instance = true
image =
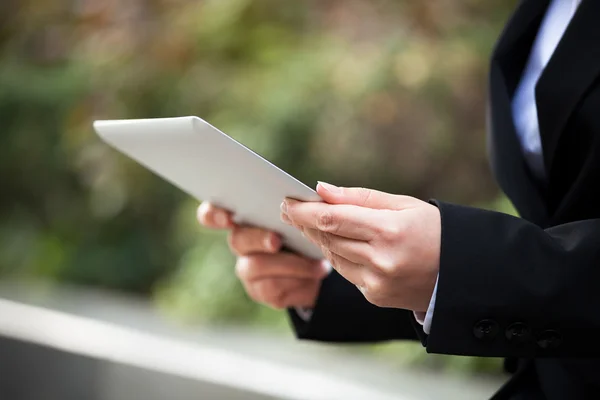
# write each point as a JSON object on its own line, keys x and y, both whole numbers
{"x": 527, "y": 289}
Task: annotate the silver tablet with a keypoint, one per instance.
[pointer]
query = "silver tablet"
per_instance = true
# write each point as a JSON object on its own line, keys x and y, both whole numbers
{"x": 211, "y": 166}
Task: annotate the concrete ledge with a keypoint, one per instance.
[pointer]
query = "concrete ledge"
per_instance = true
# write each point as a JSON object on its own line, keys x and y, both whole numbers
{"x": 132, "y": 353}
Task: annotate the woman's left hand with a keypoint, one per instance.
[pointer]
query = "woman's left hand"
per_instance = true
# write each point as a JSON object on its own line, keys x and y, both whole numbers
{"x": 387, "y": 245}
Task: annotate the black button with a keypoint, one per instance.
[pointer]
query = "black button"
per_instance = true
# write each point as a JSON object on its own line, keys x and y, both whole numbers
{"x": 518, "y": 333}
{"x": 549, "y": 339}
{"x": 486, "y": 329}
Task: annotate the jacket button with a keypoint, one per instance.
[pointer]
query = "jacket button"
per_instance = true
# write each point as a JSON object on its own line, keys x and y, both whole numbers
{"x": 486, "y": 329}
{"x": 549, "y": 339}
{"x": 518, "y": 333}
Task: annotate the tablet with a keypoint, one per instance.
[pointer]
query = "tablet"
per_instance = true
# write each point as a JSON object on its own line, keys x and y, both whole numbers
{"x": 211, "y": 166}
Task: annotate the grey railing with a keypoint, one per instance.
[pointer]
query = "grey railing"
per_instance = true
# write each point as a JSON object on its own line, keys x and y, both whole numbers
{"x": 75, "y": 344}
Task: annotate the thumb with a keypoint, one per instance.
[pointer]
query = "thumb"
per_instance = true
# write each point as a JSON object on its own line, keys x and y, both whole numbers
{"x": 362, "y": 197}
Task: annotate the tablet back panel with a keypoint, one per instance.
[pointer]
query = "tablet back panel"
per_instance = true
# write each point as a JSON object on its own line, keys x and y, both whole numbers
{"x": 211, "y": 166}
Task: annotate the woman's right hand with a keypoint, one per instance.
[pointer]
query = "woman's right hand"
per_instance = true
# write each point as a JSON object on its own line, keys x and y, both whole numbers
{"x": 270, "y": 276}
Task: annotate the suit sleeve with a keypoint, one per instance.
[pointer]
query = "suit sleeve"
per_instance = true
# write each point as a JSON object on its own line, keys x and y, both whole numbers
{"x": 510, "y": 288}
{"x": 343, "y": 315}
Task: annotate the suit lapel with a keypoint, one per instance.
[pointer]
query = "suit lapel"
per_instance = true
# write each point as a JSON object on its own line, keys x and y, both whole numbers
{"x": 573, "y": 67}
{"x": 508, "y": 61}
{"x": 525, "y": 20}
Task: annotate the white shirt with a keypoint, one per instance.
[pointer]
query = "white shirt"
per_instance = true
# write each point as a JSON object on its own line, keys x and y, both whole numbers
{"x": 524, "y": 109}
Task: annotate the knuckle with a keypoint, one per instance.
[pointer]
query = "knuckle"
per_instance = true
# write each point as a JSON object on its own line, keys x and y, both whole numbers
{"x": 374, "y": 286}
{"x": 242, "y": 268}
{"x": 383, "y": 264}
{"x": 394, "y": 230}
{"x": 389, "y": 226}
{"x": 372, "y": 258}
{"x": 326, "y": 221}
{"x": 263, "y": 240}
{"x": 373, "y": 295}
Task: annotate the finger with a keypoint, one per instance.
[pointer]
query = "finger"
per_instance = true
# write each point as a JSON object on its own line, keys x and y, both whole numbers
{"x": 287, "y": 220}
{"x": 214, "y": 217}
{"x": 303, "y": 296}
{"x": 342, "y": 220}
{"x": 244, "y": 240}
{"x": 251, "y": 290}
{"x": 354, "y": 273}
{"x": 363, "y": 197}
{"x": 357, "y": 251}
{"x": 274, "y": 292}
{"x": 372, "y": 285}
{"x": 280, "y": 265}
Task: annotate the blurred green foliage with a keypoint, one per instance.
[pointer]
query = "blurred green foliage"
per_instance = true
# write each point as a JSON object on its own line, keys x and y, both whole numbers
{"x": 381, "y": 94}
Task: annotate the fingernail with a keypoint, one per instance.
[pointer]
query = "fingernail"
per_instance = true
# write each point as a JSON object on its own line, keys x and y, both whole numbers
{"x": 329, "y": 187}
{"x": 283, "y": 207}
{"x": 285, "y": 218}
{"x": 221, "y": 219}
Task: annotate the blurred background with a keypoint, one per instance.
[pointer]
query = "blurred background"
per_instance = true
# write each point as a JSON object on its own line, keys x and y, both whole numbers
{"x": 388, "y": 95}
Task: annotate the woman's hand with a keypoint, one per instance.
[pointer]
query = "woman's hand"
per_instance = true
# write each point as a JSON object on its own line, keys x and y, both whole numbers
{"x": 271, "y": 277}
{"x": 387, "y": 245}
